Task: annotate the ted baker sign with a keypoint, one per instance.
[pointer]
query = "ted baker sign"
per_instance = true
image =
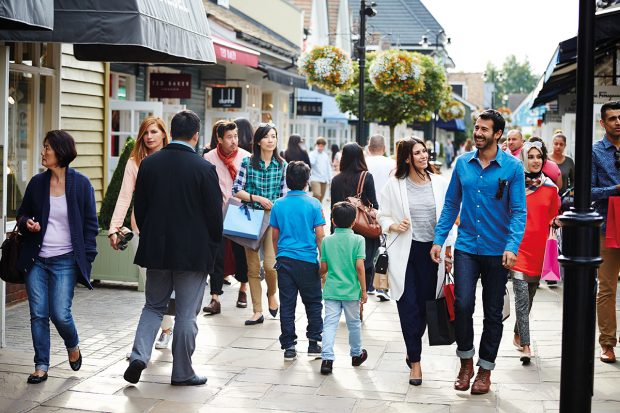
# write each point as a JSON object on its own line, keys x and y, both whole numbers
{"x": 170, "y": 85}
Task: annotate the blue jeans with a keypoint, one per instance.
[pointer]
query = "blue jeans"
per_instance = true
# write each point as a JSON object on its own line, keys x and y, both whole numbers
{"x": 296, "y": 276}
{"x": 50, "y": 285}
{"x": 333, "y": 309}
{"x": 467, "y": 269}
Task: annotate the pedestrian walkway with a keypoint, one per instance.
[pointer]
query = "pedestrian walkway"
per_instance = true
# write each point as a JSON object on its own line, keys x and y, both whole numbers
{"x": 247, "y": 372}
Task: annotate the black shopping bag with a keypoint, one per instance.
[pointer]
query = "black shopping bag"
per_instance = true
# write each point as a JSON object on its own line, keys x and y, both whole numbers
{"x": 440, "y": 328}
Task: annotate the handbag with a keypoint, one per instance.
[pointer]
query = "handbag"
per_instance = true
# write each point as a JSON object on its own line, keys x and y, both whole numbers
{"x": 11, "y": 248}
{"x": 448, "y": 293}
{"x": 440, "y": 327}
{"x": 551, "y": 265}
{"x": 254, "y": 242}
{"x": 381, "y": 280}
{"x": 366, "y": 223}
{"x": 506, "y": 308}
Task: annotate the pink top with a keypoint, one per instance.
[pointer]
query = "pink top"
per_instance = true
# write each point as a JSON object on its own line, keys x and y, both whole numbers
{"x": 226, "y": 181}
{"x": 124, "y": 199}
{"x": 57, "y": 238}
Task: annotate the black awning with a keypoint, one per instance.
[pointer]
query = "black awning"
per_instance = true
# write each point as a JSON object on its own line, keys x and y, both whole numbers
{"x": 283, "y": 77}
{"x": 131, "y": 31}
{"x": 27, "y": 14}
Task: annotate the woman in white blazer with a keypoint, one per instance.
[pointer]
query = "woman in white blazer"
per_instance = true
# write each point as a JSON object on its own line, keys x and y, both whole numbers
{"x": 410, "y": 206}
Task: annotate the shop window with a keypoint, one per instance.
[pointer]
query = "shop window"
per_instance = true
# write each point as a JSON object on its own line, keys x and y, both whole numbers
{"x": 122, "y": 86}
{"x": 267, "y": 107}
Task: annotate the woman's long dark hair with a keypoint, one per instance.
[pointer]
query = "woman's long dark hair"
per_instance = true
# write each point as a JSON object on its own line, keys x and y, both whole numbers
{"x": 335, "y": 150}
{"x": 293, "y": 150}
{"x": 352, "y": 162}
{"x": 404, "y": 152}
{"x": 245, "y": 133}
{"x": 261, "y": 132}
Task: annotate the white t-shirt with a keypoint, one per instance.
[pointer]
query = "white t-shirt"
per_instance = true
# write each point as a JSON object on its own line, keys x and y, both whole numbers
{"x": 381, "y": 168}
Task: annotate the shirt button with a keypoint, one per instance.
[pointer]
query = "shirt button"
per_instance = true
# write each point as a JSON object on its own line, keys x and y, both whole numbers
{"x": 478, "y": 236}
{"x": 478, "y": 220}
{"x": 477, "y": 206}
{"x": 478, "y": 190}
{"x": 480, "y": 176}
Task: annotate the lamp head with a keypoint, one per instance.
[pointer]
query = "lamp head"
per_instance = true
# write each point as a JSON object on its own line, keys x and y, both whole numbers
{"x": 370, "y": 10}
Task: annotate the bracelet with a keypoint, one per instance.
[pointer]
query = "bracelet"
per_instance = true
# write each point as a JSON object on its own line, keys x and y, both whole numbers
{"x": 251, "y": 200}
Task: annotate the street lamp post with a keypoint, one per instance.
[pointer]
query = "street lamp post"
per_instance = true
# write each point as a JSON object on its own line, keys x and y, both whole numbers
{"x": 361, "y": 50}
{"x": 580, "y": 241}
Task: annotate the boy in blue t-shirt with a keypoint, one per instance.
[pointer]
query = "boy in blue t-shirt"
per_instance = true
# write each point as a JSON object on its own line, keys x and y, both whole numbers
{"x": 342, "y": 259}
{"x": 297, "y": 230}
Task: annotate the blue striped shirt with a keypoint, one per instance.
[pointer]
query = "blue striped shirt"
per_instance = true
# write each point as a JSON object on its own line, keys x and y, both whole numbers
{"x": 490, "y": 224}
{"x": 605, "y": 176}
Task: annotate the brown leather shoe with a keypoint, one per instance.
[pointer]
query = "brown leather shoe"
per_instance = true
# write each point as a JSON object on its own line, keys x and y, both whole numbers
{"x": 482, "y": 382}
{"x": 608, "y": 355}
{"x": 213, "y": 308}
{"x": 465, "y": 374}
{"x": 242, "y": 300}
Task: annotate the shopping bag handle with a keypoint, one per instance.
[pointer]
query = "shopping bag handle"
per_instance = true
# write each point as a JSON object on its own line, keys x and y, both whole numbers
{"x": 246, "y": 210}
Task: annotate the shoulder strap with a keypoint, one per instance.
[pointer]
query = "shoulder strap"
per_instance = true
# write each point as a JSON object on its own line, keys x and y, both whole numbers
{"x": 360, "y": 183}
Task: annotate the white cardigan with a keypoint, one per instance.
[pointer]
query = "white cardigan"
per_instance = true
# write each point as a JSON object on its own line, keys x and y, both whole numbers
{"x": 394, "y": 207}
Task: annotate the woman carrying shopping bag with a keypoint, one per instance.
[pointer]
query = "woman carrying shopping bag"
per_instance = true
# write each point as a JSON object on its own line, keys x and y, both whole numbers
{"x": 543, "y": 203}
{"x": 411, "y": 204}
{"x": 260, "y": 181}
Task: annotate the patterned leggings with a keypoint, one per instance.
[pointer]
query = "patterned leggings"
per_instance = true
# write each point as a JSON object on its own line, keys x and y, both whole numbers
{"x": 524, "y": 296}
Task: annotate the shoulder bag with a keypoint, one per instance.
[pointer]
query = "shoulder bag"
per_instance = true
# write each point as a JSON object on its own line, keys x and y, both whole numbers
{"x": 10, "y": 254}
{"x": 366, "y": 223}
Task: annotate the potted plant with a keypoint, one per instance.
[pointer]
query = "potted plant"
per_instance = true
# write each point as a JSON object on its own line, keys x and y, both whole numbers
{"x": 112, "y": 265}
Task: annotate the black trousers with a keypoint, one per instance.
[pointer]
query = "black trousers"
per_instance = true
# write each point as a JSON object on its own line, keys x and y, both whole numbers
{"x": 372, "y": 245}
{"x": 216, "y": 278}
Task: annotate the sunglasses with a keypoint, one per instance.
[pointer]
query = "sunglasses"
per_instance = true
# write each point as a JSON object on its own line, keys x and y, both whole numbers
{"x": 617, "y": 158}
{"x": 265, "y": 124}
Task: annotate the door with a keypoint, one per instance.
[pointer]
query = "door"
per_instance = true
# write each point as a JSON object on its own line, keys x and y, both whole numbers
{"x": 124, "y": 122}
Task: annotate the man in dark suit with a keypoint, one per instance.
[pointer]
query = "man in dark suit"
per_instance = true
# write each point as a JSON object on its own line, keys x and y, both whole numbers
{"x": 178, "y": 209}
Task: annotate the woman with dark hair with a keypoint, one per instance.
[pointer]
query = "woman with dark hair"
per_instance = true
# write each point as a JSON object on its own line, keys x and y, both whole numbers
{"x": 245, "y": 132}
{"x": 411, "y": 204}
{"x": 260, "y": 181}
{"x": 344, "y": 185}
{"x": 543, "y": 203}
{"x": 152, "y": 136}
{"x": 336, "y": 154}
{"x": 550, "y": 168}
{"x": 294, "y": 151}
{"x": 58, "y": 220}
{"x": 565, "y": 163}
{"x": 213, "y": 142}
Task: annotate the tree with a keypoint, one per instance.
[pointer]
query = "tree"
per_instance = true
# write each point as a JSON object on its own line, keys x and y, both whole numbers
{"x": 396, "y": 108}
{"x": 516, "y": 77}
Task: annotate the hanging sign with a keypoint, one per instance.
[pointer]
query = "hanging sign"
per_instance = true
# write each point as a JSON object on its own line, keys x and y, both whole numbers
{"x": 226, "y": 97}
{"x": 311, "y": 108}
{"x": 170, "y": 85}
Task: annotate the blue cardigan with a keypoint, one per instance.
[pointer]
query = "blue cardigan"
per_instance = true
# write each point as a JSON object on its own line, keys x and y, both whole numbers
{"x": 82, "y": 213}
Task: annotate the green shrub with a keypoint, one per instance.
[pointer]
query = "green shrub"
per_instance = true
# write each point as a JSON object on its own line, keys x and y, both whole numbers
{"x": 111, "y": 195}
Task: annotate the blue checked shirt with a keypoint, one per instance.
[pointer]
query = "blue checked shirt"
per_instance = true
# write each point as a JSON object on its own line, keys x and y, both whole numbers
{"x": 267, "y": 182}
{"x": 605, "y": 176}
{"x": 489, "y": 226}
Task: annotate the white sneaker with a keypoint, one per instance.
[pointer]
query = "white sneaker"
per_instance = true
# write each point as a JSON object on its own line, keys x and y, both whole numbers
{"x": 128, "y": 355}
{"x": 163, "y": 340}
{"x": 383, "y": 295}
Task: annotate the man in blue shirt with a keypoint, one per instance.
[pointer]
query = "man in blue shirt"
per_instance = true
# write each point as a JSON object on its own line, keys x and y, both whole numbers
{"x": 488, "y": 188}
{"x": 297, "y": 231}
{"x": 606, "y": 183}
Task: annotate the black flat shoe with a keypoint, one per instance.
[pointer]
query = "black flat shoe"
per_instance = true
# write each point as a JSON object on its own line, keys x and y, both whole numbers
{"x": 134, "y": 371}
{"x": 33, "y": 379}
{"x": 273, "y": 312}
{"x": 194, "y": 381}
{"x": 75, "y": 365}
{"x": 260, "y": 320}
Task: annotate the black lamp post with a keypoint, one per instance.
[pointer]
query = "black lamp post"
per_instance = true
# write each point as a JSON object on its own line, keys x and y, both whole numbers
{"x": 580, "y": 241}
{"x": 361, "y": 51}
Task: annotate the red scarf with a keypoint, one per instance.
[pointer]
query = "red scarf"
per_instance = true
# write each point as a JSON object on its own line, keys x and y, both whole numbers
{"x": 229, "y": 161}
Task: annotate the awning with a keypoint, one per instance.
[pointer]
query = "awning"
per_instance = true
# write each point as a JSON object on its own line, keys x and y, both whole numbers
{"x": 561, "y": 74}
{"x": 234, "y": 53}
{"x": 131, "y": 31}
{"x": 283, "y": 77}
{"x": 27, "y": 14}
{"x": 454, "y": 125}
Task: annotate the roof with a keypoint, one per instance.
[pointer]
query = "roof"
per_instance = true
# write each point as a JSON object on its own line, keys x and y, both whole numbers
{"x": 404, "y": 21}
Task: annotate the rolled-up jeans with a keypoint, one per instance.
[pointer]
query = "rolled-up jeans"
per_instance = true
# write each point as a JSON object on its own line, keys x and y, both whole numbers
{"x": 50, "y": 284}
{"x": 467, "y": 269}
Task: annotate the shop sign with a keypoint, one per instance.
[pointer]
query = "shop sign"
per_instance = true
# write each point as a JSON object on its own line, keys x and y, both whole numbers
{"x": 602, "y": 94}
{"x": 170, "y": 85}
{"x": 305, "y": 108}
{"x": 226, "y": 97}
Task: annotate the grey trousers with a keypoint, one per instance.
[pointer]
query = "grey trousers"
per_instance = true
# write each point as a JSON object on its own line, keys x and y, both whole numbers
{"x": 189, "y": 287}
{"x": 524, "y": 297}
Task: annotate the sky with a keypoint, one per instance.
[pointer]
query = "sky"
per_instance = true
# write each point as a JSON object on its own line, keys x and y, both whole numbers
{"x": 525, "y": 28}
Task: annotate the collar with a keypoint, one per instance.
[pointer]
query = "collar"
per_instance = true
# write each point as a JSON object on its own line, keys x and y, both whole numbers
{"x": 343, "y": 230}
{"x": 180, "y": 142}
{"x": 499, "y": 156}
{"x": 606, "y": 143}
{"x": 296, "y": 192}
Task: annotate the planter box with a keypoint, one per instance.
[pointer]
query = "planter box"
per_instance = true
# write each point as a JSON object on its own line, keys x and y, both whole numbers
{"x": 112, "y": 265}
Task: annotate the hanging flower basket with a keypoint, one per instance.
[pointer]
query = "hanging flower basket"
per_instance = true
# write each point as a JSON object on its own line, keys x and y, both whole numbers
{"x": 506, "y": 113}
{"x": 397, "y": 71}
{"x": 327, "y": 67}
{"x": 452, "y": 109}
